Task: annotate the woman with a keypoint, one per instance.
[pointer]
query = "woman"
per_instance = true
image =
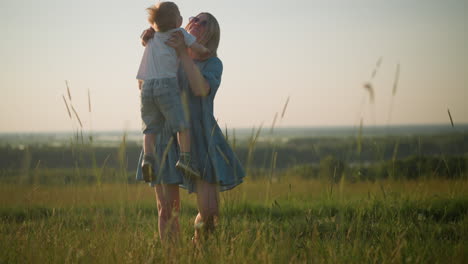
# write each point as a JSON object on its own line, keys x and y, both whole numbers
{"x": 199, "y": 79}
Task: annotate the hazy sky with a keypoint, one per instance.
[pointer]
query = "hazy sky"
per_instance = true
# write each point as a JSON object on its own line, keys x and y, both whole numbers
{"x": 319, "y": 53}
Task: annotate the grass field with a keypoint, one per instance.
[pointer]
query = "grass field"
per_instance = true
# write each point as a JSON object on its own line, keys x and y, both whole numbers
{"x": 291, "y": 220}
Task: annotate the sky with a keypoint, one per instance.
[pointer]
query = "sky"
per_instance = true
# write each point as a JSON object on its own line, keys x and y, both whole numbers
{"x": 318, "y": 54}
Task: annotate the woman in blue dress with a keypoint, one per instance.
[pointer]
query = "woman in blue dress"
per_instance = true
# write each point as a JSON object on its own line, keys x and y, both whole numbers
{"x": 199, "y": 80}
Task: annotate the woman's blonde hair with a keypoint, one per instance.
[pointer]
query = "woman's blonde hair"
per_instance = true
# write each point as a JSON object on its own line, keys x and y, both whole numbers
{"x": 211, "y": 36}
{"x": 164, "y": 15}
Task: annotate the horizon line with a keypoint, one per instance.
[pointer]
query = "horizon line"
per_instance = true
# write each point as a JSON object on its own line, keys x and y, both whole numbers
{"x": 448, "y": 125}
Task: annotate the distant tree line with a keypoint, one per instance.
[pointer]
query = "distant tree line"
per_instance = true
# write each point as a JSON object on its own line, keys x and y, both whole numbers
{"x": 351, "y": 150}
{"x": 412, "y": 168}
{"x": 367, "y": 158}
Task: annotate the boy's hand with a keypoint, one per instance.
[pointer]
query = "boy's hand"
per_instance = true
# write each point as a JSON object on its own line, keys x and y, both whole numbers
{"x": 146, "y": 35}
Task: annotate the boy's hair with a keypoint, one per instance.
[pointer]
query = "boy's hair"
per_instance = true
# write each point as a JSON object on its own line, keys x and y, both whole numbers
{"x": 164, "y": 15}
{"x": 210, "y": 38}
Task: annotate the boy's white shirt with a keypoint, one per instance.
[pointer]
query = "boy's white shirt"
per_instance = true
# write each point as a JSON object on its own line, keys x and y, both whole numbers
{"x": 159, "y": 60}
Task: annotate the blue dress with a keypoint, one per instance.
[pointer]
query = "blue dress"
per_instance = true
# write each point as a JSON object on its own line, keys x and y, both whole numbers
{"x": 216, "y": 160}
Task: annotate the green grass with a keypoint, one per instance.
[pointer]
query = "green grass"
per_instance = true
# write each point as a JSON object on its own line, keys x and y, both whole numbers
{"x": 298, "y": 221}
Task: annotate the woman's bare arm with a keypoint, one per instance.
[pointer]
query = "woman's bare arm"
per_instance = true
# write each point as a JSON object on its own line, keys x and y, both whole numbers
{"x": 198, "y": 84}
{"x": 200, "y": 50}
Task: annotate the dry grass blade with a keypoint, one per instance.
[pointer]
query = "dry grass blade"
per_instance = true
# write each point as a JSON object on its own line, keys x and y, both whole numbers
{"x": 77, "y": 117}
{"x": 274, "y": 123}
{"x": 284, "y": 107}
{"x": 377, "y": 66}
{"x": 370, "y": 89}
{"x": 66, "y": 104}
{"x": 105, "y": 162}
{"x": 257, "y": 135}
{"x": 395, "y": 150}
{"x": 359, "y": 139}
{"x": 226, "y": 133}
{"x": 89, "y": 101}
{"x": 68, "y": 90}
{"x": 397, "y": 77}
{"x": 394, "y": 90}
{"x": 450, "y": 115}
{"x": 252, "y": 142}
{"x": 220, "y": 151}
{"x": 274, "y": 158}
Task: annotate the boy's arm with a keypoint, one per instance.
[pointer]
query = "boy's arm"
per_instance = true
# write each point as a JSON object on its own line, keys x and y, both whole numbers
{"x": 140, "y": 83}
{"x": 201, "y": 50}
{"x": 146, "y": 35}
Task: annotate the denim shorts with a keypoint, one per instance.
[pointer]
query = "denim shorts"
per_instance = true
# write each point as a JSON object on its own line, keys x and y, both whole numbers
{"x": 161, "y": 103}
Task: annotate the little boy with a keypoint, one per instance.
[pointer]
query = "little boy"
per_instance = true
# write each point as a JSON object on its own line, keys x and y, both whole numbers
{"x": 160, "y": 94}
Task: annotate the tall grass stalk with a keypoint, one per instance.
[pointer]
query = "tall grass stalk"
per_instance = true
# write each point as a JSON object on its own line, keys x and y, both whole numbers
{"x": 450, "y": 116}
{"x": 274, "y": 153}
{"x": 252, "y": 142}
{"x": 394, "y": 91}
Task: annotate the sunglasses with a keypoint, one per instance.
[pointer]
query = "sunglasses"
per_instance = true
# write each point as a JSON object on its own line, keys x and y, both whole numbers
{"x": 198, "y": 21}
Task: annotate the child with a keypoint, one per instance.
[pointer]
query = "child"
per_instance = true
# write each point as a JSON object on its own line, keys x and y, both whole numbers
{"x": 160, "y": 95}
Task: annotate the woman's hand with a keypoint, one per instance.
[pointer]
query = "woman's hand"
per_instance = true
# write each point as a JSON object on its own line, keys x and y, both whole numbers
{"x": 198, "y": 84}
{"x": 177, "y": 42}
{"x": 147, "y": 35}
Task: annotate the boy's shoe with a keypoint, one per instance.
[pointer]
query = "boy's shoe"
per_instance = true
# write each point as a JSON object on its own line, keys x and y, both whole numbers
{"x": 188, "y": 168}
{"x": 147, "y": 168}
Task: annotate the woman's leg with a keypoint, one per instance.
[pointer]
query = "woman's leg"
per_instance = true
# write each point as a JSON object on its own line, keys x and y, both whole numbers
{"x": 168, "y": 201}
{"x": 208, "y": 208}
{"x": 184, "y": 140}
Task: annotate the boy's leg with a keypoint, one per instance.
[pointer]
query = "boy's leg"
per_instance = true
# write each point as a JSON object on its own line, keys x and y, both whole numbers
{"x": 153, "y": 120}
{"x": 185, "y": 162}
{"x": 171, "y": 107}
